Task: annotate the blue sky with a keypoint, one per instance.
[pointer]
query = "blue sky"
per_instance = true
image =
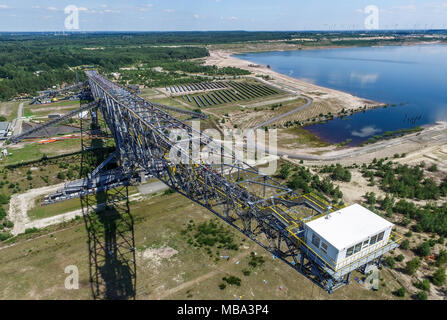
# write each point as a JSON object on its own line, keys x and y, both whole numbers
{"x": 175, "y": 15}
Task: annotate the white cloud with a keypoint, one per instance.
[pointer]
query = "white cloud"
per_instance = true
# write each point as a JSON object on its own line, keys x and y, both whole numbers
{"x": 169, "y": 10}
{"x": 52, "y": 9}
{"x": 410, "y": 7}
{"x": 366, "y": 132}
{"x": 35, "y": 7}
{"x": 196, "y": 16}
{"x": 83, "y": 9}
{"x": 4, "y": 6}
{"x": 146, "y": 7}
{"x": 109, "y": 11}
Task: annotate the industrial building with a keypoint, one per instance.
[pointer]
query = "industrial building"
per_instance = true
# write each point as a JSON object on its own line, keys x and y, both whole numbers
{"x": 4, "y": 129}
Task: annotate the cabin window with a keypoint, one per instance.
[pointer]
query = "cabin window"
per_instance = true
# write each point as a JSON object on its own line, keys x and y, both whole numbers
{"x": 315, "y": 240}
{"x": 324, "y": 247}
{"x": 349, "y": 252}
{"x": 358, "y": 247}
{"x": 365, "y": 244}
{"x": 380, "y": 236}
{"x": 373, "y": 240}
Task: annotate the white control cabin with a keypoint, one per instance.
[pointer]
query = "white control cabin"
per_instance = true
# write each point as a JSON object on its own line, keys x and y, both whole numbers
{"x": 347, "y": 235}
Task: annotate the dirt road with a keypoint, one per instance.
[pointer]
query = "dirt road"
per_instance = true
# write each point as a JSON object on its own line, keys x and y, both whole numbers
{"x": 18, "y": 120}
{"x": 266, "y": 123}
{"x": 196, "y": 281}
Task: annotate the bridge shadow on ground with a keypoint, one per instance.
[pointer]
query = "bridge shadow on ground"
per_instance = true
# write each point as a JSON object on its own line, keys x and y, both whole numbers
{"x": 110, "y": 229}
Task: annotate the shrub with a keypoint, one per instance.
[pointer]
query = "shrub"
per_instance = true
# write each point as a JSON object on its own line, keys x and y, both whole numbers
{"x": 400, "y": 258}
{"x": 8, "y": 224}
{"x": 400, "y": 292}
{"x": 389, "y": 261}
{"x": 421, "y": 295}
{"x": 5, "y": 236}
{"x": 423, "y": 285}
{"x": 405, "y": 245}
{"x": 255, "y": 260}
{"x": 412, "y": 266}
{"x": 439, "y": 277}
{"x": 284, "y": 171}
{"x": 232, "y": 280}
{"x": 2, "y": 213}
{"x": 4, "y": 199}
{"x": 442, "y": 258}
{"x": 246, "y": 272}
{"x": 433, "y": 168}
{"x": 222, "y": 286}
{"x": 423, "y": 249}
{"x": 31, "y": 230}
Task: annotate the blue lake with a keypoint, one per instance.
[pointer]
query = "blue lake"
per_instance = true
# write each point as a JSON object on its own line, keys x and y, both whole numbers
{"x": 412, "y": 77}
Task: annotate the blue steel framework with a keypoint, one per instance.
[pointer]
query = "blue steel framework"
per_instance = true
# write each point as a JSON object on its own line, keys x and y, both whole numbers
{"x": 265, "y": 211}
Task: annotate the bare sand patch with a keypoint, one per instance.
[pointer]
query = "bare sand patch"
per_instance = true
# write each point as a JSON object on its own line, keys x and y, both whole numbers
{"x": 156, "y": 255}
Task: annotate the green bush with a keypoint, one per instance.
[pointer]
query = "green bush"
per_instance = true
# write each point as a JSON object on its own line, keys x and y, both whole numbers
{"x": 423, "y": 285}
{"x": 232, "y": 280}
{"x": 405, "y": 245}
{"x": 439, "y": 277}
{"x": 389, "y": 261}
{"x": 400, "y": 258}
{"x": 4, "y": 199}
{"x": 412, "y": 266}
{"x": 5, "y": 236}
{"x": 8, "y": 224}
{"x": 442, "y": 258}
{"x": 400, "y": 292}
{"x": 2, "y": 213}
{"x": 255, "y": 260}
{"x": 424, "y": 249}
{"x": 421, "y": 295}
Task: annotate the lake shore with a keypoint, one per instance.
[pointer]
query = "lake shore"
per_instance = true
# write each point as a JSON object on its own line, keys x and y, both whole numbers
{"x": 325, "y": 100}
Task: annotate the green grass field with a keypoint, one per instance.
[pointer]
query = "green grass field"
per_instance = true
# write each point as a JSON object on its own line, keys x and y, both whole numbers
{"x": 40, "y": 212}
{"x": 35, "y": 151}
{"x": 35, "y": 269}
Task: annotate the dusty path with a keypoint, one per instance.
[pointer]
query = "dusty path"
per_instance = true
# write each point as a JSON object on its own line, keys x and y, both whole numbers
{"x": 20, "y": 204}
{"x": 266, "y": 123}
{"x": 18, "y": 120}
{"x": 196, "y": 281}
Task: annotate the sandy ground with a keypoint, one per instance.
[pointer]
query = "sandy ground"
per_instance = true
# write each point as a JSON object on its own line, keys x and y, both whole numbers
{"x": 20, "y": 204}
{"x": 18, "y": 121}
{"x": 432, "y": 140}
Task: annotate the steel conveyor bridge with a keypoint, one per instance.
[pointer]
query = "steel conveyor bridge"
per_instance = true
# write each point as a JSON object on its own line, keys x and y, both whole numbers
{"x": 267, "y": 212}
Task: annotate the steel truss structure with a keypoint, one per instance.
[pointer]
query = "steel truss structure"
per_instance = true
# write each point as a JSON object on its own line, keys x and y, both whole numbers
{"x": 109, "y": 226}
{"x": 149, "y": 142}
{"x": 267, "y": 212}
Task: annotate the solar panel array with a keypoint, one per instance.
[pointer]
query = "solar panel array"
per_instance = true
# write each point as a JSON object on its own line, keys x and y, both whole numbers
{"x": 231, "y": 93}
{"x": 203, "y": 86}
